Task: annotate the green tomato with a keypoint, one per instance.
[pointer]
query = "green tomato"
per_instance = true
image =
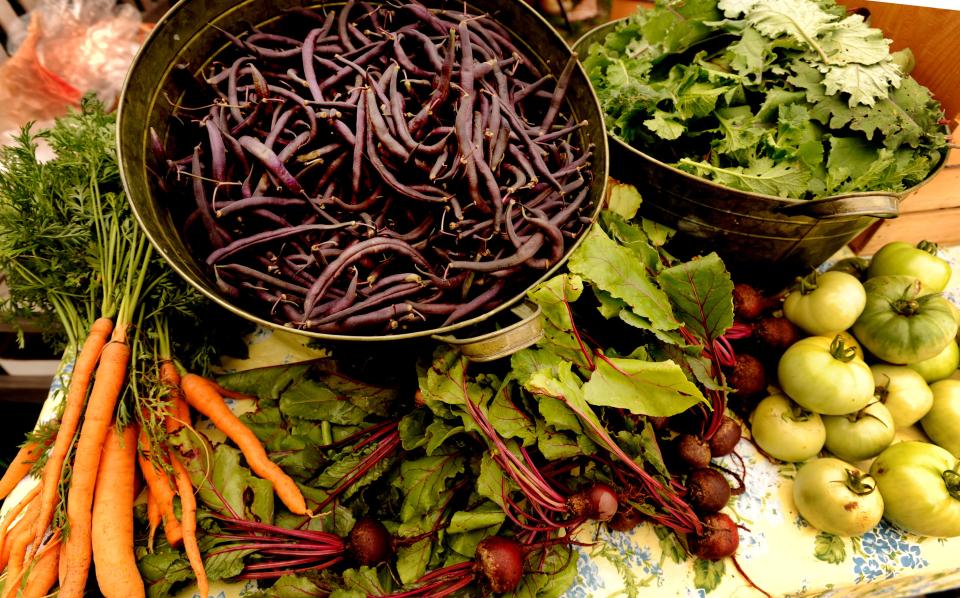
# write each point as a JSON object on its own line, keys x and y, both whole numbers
{"x": 854, "y": 266}
{"x": 919, "y": 261}
{"x": 903, "y": 391}
{"x": 859, "y": 435}
{"x": 825, "y": 376}
{"x": 786, "y": 431}
{"x": 836, "y": 497}
{"x": 939, "y": 366}
{"x": 920, "y": 486}
{"x": 942, "y": 422}
{"x": 825, "y": 302}
{"x": 902, "y": 325}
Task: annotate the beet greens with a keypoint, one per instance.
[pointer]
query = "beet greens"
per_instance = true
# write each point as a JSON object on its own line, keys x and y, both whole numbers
{"x": 447, "y": 477}
{"x": 373, "y": 169}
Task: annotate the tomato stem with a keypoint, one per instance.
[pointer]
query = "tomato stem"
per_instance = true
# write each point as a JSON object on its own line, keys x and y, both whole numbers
{"x": 860, "y": 483}
{"x": 809, "y": 283}
{"x": 798, "y": 413}
{"x": 952, "y": 479}
{"x": 906, "y": 307}
{"x": 928, "y": 246}
{"x": 840, "y": 351}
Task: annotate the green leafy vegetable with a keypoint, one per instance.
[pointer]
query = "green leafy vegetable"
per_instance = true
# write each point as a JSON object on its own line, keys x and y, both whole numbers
{"x": 751, "y": 93}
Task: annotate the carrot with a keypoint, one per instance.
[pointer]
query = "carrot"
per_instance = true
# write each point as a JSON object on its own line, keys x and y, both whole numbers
{"x": 112, "y": 517}
{"x": 153, "y": 518}
{"x": 109, "y": 383}
{"x": 179, "y": 412}
{"x": 20, "y": 467}
{"x": 188, "y": 510}
{"x": 19, "y": 539}
{"x": 159, "y": 487}
{"x": 43, "y": 574}
{"x": 203, "y": 396}
{"x": 11, "y": 516}
{"x": 230, "y": 394}
{"x": 83, "y": 369}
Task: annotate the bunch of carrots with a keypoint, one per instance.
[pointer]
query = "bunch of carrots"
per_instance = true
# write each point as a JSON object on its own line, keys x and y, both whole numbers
{"x": 69, "y": 247}
{"x": 100, "y": 497}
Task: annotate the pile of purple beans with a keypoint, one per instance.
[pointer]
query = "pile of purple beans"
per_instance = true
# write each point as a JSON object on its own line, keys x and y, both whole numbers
{"x": 377, "y": 169}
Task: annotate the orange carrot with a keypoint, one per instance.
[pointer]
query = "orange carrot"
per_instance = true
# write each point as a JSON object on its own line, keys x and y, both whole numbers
{"x": 179, "y": 412}
{"x": 43, "y": 574}
{"x": 203, "y": 397}
{"x": 188, "y": 510}
{"x": 10, "y": 517}
{"x": 83, "y": 369}
{"x": 19, "y": 467}
{"x": 159, "y": 487}
{"x": 153, "y": 518}
{"x": 19, "y": 540}
{"x": 230, "y": 394}
{"x": 109, "y": 383}
{"x": 112, "y": 517}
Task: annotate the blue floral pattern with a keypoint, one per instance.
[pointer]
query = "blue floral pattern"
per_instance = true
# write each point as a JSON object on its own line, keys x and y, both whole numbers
{"x": 884, "y": 552}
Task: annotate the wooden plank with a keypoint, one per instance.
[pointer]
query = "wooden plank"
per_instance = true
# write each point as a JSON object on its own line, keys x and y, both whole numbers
{"x": 940, "y": 193}
{"x": 941, "y": 226}
{"x": 624, "y": 8}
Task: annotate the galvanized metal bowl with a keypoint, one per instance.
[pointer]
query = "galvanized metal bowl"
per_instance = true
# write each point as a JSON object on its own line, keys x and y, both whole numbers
{"x": 188, "y": 38}
{"x": 761, "y": 238}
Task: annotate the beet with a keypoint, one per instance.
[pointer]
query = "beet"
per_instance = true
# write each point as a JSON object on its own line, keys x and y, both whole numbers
{"x": 693, "y": 451}
{"x": 707, "y": 490}
{"x": 726, "y": 437}
{"x": 626, "y": 518}
{"x": 748, "y": 376}
{"x": 598, "y": 502}
{"x": 748, "y": 302}
{"x": 776, "y": 333}
{"x": 500, "y": 562}
{"x": 720, "y": 538}
{"x": 369, "y": 542}
{"x": 659, "y": 423}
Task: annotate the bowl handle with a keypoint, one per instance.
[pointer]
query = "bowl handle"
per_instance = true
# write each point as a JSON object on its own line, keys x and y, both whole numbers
{"x": 877, "y": 205}
{"x": 504, "y": 342}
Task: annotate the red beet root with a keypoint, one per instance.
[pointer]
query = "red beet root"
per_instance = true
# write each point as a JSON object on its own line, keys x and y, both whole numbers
{"x": 776, "y": 333}
{"x": 726, "y": 437}
{"x": 500, "y": 562}
{"x": 369, "y": 542}
{"x": 720, "y": 538}
{"x": 707, "y": 490}
{"x": 597, "y": 501}
{"x": 748, "y": 376}
{"x": 626, "y": 519}
{"x": 748, "y": 302}
{"x": 693, "y": 451}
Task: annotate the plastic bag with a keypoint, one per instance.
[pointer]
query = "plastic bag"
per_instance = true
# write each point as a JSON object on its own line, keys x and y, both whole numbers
{"x": 64, "y": 49}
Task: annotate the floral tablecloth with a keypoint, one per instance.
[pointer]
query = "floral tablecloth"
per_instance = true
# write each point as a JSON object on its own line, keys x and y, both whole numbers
{"x": 778, "y": 551}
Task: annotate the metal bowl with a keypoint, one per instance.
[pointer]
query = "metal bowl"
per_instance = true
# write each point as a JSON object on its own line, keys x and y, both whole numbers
{"x": 188, "y": 38}
{"x": 761, "y": 238}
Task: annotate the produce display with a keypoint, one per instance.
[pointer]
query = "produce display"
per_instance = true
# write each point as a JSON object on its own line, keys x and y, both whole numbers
{"x": 791, "y": 98}
{"x": 382, "y": 168}
{"x": 828, "y": 399}
{"x": 374, "y": 169}
{"x": 413, "y": 475}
